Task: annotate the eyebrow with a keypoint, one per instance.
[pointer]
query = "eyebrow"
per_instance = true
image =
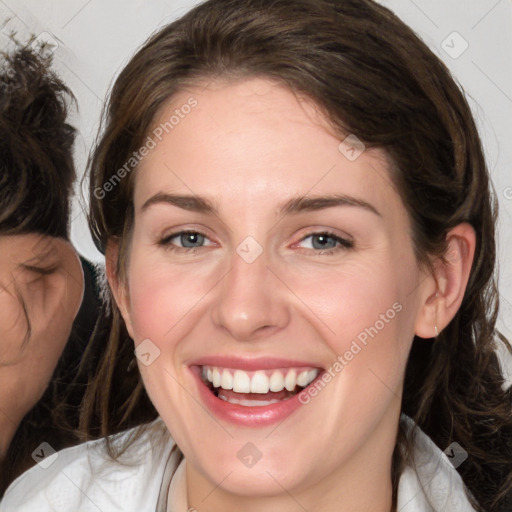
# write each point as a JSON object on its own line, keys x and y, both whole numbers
{"x": 292, "y": 206}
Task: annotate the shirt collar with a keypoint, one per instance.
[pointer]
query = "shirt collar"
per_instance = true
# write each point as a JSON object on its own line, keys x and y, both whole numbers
{"x": 430, "y": 482}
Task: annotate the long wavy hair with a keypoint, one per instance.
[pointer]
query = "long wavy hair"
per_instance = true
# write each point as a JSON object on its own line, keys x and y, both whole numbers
{"x": 371, "y": 76}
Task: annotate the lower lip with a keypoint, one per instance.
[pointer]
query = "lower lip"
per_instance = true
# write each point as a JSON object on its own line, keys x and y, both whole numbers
{"x": 258, "y": 416}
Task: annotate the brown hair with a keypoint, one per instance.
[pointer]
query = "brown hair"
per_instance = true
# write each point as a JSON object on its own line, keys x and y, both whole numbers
{"x": 36, "y": 180}
{"x": 36, "y": 146}
{"x": 374, "y": 78}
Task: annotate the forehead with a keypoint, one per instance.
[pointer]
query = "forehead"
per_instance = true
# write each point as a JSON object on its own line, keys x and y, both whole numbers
{"x": 29, "y": 247}
{"x": 255, "y": 142}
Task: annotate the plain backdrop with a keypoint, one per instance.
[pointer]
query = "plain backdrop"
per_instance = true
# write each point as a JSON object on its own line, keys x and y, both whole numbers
{"x": 93, "y": 39}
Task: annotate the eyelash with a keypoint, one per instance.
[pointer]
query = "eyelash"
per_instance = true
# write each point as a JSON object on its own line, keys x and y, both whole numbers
{"x": 343, "y": 244}
{"x": 40, "y": 270}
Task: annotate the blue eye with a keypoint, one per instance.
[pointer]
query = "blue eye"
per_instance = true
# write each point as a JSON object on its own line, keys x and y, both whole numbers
{"x": 187, "y": 240}
{"x": 325, "y": 242}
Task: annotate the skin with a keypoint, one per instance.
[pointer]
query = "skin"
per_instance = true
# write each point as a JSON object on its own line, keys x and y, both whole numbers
{"x": 248, "y": 147}
{"x": 46, "y": 274}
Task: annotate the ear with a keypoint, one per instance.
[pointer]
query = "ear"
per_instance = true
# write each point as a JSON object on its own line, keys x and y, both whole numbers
{"x": 71, "y": 299}
{"x": 443, "y": 291}
{"x": 52, "y": 296}
{"x": 118, "y": 286}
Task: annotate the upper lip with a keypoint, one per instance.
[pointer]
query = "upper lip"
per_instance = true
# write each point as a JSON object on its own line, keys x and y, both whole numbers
{"x": 251, "y": 364}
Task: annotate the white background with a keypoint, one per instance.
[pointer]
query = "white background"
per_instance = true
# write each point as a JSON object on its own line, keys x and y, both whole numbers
{"x": 96, "y": 38}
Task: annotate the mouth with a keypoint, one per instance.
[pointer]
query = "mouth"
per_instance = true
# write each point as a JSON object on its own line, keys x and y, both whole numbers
{"x": 257, "y": 388}
{"x": 253, "y": 393}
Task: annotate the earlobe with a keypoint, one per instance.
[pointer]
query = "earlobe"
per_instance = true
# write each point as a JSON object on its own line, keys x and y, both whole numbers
{"x": 117, "y": 285}
{"x": 444, "y": 290}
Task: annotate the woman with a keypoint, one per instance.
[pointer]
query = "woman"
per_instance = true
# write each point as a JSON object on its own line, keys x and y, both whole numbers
{"x": 47, "y": 299}
{"x": 299, "y": 239}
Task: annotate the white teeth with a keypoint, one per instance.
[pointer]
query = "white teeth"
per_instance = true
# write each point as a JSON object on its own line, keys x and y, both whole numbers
{"x": 241, "y": 382}
{"x": 312, "y": 374}
{"x": 248, "y": 403}
{"x": 216, "y": 377}
{"x": 302, "y": 379}
{"x": 290, "y": 381}
{"x": 261, "y": 381}
{"x": 276, "y": 381}
{"x": 226, "y": 382}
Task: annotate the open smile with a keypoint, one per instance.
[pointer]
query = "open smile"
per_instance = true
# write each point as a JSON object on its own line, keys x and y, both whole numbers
{"x": 253, "y": 397}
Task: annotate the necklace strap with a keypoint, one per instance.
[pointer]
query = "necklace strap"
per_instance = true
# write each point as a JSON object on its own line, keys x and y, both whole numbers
{"x": 173, "y": 461}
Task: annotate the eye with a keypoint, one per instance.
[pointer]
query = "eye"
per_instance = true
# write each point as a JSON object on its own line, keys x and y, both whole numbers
{"x": 32, "y": 276}
{"x": 325, "y": 242}
{"x": 40, "y": 271}
{"x": 186, "y": 240}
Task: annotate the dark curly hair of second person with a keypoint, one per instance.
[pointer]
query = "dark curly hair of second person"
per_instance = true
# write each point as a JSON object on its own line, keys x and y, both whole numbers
{"x": 34, "y": 135}
{"x": 48, "y": 294}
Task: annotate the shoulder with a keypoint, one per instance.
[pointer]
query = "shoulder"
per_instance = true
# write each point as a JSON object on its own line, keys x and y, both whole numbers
{"x": 84, "y": 478}
{"x": 430, "y": 482}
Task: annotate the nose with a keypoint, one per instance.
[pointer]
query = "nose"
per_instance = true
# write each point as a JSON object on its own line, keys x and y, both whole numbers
{"x": 251, "y": 302}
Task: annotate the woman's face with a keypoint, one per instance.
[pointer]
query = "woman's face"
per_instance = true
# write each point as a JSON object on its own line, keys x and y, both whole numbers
{"x": 264, "y": 254}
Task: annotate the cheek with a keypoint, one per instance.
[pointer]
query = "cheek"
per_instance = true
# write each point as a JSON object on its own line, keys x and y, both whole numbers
{"x": 354, "y": 297}
{"x": 13, "y": 327}
{"x": 162, "y": 295}
{"x": 365, "y": 311}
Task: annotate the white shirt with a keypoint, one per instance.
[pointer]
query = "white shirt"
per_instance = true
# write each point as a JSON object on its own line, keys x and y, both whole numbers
{"x": 83, "y": 479}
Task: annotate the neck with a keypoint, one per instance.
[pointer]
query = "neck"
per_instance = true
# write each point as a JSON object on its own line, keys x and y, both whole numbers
{"x": 7, "y": 430}
{"x": 361, "y": 483}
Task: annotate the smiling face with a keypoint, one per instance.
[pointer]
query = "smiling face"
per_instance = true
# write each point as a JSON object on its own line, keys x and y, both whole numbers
{"x": 263, "y": 258}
